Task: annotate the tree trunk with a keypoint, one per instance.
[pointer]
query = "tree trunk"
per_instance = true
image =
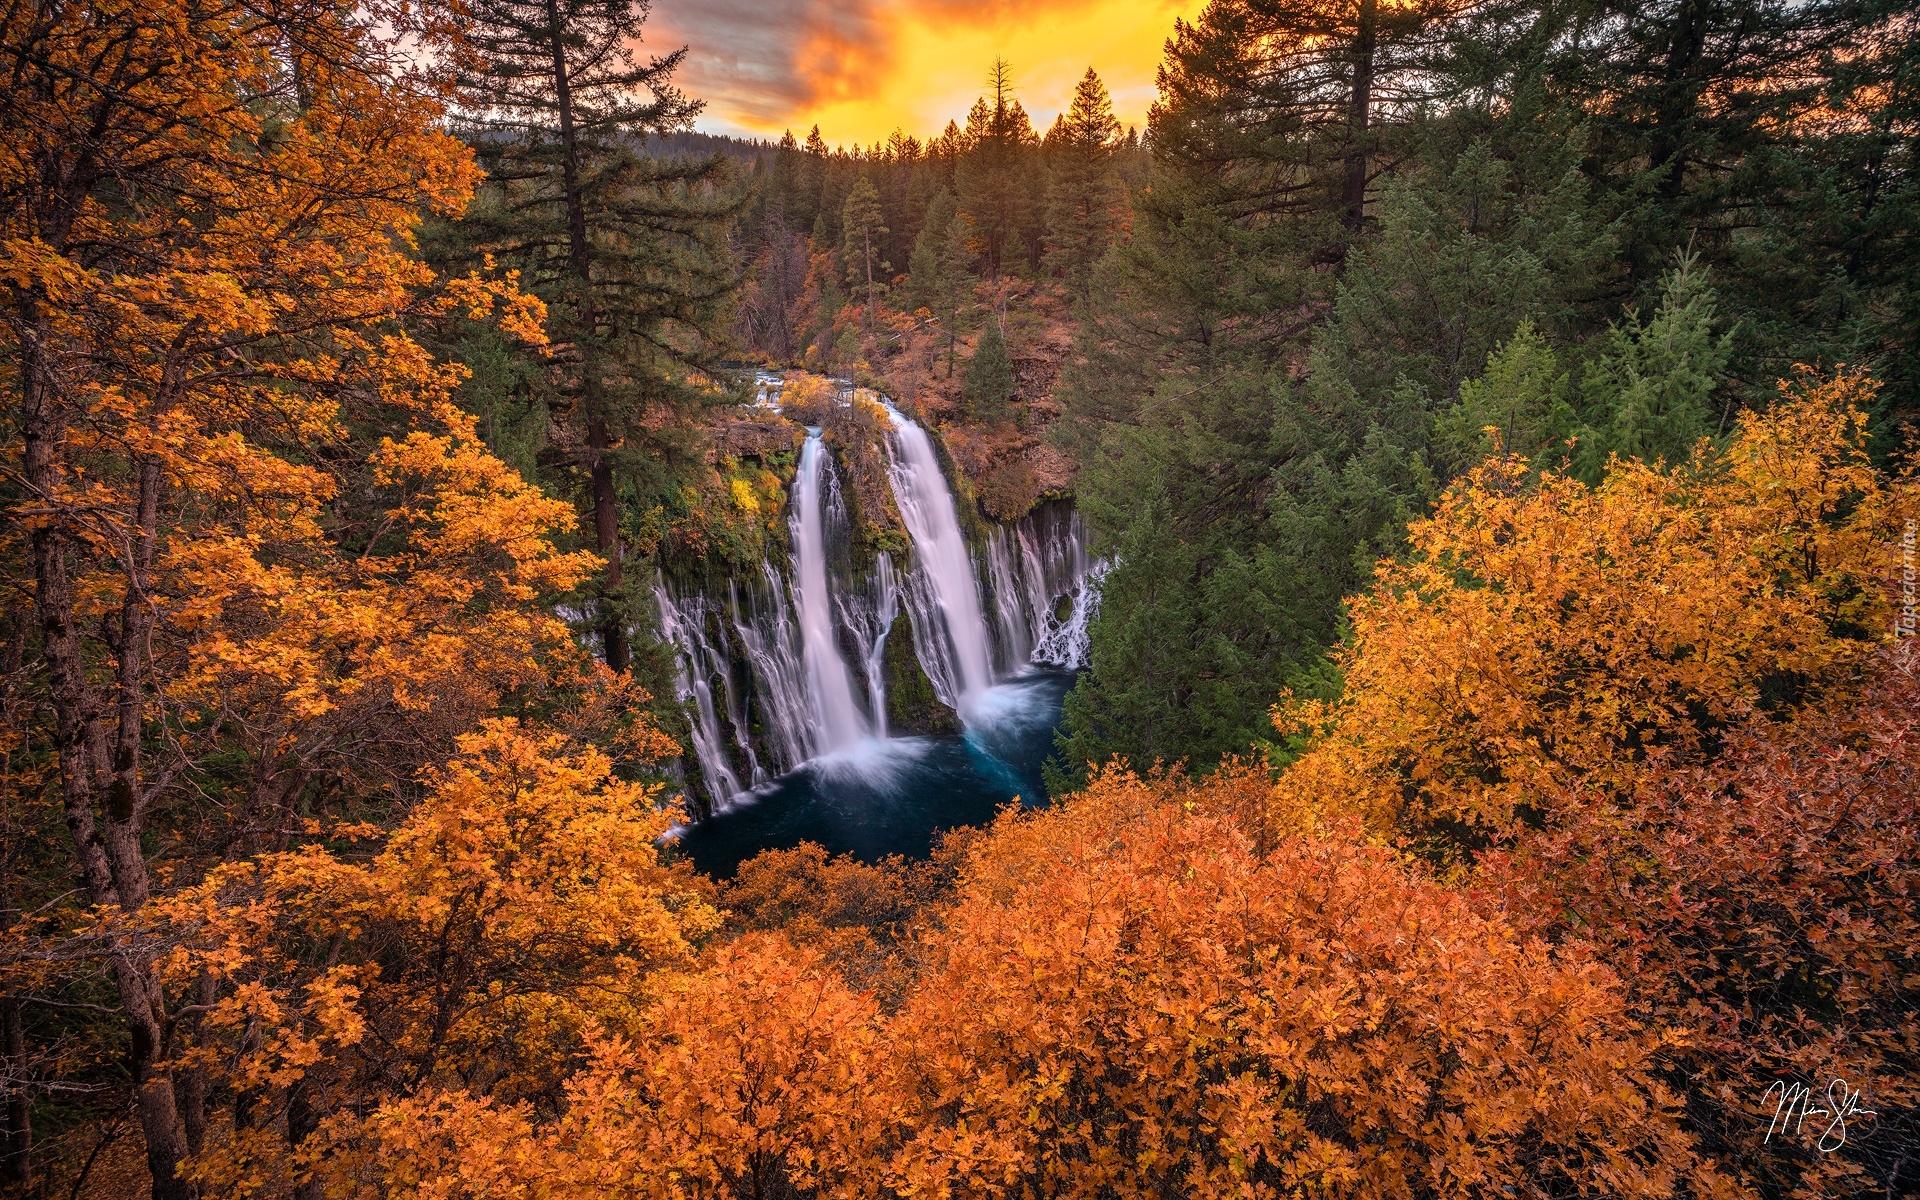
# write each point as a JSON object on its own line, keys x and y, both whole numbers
{"x": 606, "y": 532}
{"x": 1678, "y": 97}
{"x": 606, "y": 516}
{"x": 16, "y": 1165}
{"x": 1360, "y": 106}
{"x": 872, "y": 300}
{"x": 107, "y": 842}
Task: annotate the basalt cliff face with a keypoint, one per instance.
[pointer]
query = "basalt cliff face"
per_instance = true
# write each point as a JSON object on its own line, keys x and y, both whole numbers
{"x": 857, "y": 589}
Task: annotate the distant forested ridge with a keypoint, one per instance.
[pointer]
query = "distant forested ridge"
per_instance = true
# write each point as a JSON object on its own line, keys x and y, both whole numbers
{"x": 1265, "y": 331}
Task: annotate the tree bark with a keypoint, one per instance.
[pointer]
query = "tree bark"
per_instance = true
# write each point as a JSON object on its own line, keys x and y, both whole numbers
{"x": 606, "y": 515}
{"x": 16, "y": 1167}
{"x": 1360, "y": 107}
{"x": 93, "y": 767}
{"x": 606, "y": 532}
{"x": 1678, "y": 97}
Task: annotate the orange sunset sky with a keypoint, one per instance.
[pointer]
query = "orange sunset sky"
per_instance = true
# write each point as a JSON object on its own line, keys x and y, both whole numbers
{"x": 862, "y": 67}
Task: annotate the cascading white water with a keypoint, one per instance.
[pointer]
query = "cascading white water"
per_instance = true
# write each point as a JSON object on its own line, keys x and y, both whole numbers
{"x": 1032, "y": 565}
{"x": 942, "y": 570}
{"x": 763, "y": 667}
{"x": 763, "y": 622}
{"x": 838, "y": 722}
{"x": 690, "y": 667}
{"x": 1068, "y": 644}
{"x": 871, "y": 618}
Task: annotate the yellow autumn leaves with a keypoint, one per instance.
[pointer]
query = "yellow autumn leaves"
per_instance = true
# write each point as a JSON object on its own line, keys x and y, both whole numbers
{"x": 1543, "y": 632}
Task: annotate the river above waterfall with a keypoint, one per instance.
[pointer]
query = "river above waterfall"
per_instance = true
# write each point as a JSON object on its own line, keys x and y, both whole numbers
{"x": 893, "y": 796}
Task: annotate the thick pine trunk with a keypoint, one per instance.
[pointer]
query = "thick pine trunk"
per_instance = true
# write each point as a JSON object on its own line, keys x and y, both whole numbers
{"x": 1359, "y": 109}
{"x": 606, "y": 512}
{"x": 1677, "y": 101}
{"x": 606, "y": 532}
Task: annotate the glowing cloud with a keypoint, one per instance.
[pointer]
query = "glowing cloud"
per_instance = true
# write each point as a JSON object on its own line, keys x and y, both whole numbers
{"x": 861, "y": 68}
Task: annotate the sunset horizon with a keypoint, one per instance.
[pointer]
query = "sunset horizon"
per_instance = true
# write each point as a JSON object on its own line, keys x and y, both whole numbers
{"x": 860, "y": 71}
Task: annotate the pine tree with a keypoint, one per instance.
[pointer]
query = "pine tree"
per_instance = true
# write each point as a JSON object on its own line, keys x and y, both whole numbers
{"x": 1133, "y": 702}
{"x": 1649, "y": 395}
{"x": 990, "y": 377}
{"x": 863, "y": 231}
{"x": 937, "y": 273}
{"x": 627, "y": 251}
{"x": 1277, "y": 103}
{"x": 1524, "y": 399}
{"x": 991, "y": 175}
{"x": 1083, "y": 194}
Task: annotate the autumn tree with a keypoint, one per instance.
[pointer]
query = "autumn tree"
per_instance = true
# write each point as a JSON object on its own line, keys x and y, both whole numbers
{"x": 628, "y": 250}
{"x": 510, "y": 917}
{"x": 1544, "y": 633}
{"x": 1762, "y": 905}
{"x": 210, "y": 214}
{"x": 863, "y": 231}
{"x": 1083, "y": 191}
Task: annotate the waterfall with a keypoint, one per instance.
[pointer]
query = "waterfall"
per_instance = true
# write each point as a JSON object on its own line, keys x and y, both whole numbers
{"x": 838, "y": 723}
{"x": 1032, "y": 566}
{"x": 871, "y": 618}
{"x": 768, "y": 638}
{"x": 949, "y": 629}
{"x": 1067, "y": 644}
{"x": 691, "y": 666}
{"x": 789, "y": 663}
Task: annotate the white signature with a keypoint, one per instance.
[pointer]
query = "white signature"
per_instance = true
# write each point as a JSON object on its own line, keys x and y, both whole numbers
{"x": 1794, "y": 1106}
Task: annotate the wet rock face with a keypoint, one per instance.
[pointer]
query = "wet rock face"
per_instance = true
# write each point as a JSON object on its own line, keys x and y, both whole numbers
{"x": 760, "y": 438}
{"x": 912, "y": 707}
{"x": 857, "y": 433}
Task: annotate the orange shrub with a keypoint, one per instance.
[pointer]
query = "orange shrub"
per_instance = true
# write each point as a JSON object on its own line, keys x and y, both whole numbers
{"x": 1126, "y": 1001}
{"x": 1768, "y": 908}
{"x": 1545, "y": 633}
{"x": 1123, "y": 1000}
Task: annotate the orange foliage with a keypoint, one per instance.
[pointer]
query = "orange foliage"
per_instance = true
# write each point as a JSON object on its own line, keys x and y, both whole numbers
{"x": 208, "y": 214}
{"x": 1123, "y": 1000}
{"x": 760, "y": 1075}
{"x": 1768, "y": 908}
{"x": 309, "y": 652}
{"x": 1127, "y": 1001}
{"x": 519, "y": 909}
{"x": 1547, "y": 633}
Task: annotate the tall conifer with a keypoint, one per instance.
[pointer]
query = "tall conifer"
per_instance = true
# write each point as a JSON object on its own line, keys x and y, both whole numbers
{"x": 1083, "y": 194}
{"x": 863, "y": 232}
{"x": 627, "y": 250}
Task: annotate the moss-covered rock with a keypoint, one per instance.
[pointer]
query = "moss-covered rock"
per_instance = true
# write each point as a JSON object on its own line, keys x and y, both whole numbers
{"x": 912, "y": 706}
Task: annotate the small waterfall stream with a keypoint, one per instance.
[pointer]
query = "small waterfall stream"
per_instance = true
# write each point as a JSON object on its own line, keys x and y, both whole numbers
{"x": 949, "y": 626}
{"x": 791, "y": 667}
{"x": 838, "y": 723}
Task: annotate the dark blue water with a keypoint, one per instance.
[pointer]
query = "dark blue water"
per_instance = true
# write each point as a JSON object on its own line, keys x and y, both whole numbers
{"x": 893, "y": 796}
